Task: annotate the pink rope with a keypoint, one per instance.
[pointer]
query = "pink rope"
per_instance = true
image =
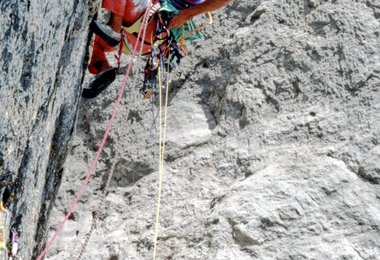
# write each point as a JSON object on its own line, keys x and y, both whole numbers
{"x": 103, "y": 142}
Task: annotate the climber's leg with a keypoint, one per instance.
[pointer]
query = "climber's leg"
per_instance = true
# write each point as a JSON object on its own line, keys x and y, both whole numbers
{"x": 108, "y": 35}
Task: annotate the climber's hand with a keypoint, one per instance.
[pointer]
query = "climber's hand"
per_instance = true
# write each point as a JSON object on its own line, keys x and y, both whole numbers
{"x": 181, "y": 18}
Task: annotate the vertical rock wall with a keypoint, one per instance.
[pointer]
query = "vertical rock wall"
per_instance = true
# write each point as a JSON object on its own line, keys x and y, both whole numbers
{"x": 42, "y": 50}
{"x": 272, "y": 147}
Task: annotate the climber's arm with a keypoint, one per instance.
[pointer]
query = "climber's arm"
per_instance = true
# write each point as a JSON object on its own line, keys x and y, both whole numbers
{"x": 186, "y": 14}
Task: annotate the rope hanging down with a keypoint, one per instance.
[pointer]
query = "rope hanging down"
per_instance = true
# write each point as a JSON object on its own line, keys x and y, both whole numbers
{"x": 161, "y": 162}
{"x": 161, "y": 150}
{"x": 103, "y": 142}
{"x": 105, "y": 191}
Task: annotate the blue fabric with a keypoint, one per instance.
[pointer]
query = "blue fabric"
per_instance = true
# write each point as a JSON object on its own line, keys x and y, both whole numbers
{"x": 183, "y": 4}
{"x": 170, "y": 6}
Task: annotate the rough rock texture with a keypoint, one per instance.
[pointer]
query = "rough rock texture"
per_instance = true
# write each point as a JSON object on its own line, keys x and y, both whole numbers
{"x": 272, "y": 148}
{"x": 42, "y": 50}
{"x": 273, "y": 137}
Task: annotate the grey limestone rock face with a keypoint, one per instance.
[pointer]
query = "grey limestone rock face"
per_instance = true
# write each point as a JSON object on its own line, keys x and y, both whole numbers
{"x": 272, "y": 148}
{"x": 42, "y": 50}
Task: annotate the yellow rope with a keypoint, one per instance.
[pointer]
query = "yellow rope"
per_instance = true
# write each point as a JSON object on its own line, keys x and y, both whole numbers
{"x": 162, "y": 133}
{"x": 159, "y": 167}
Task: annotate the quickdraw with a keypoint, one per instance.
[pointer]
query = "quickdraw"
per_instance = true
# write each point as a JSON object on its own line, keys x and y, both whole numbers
{"x": 162, "y": 44}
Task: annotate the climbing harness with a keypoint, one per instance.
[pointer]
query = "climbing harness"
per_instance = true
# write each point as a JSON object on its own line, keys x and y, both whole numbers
{"x": 162, "y": 44}
{"x": 102, "y": 144}
{"x": 161, "y": 41}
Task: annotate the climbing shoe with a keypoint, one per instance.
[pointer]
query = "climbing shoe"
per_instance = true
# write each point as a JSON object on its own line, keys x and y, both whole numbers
{"x": 105, "y": 32}
{"x": 99, "y": 83}
{"x": 102, "y": 81}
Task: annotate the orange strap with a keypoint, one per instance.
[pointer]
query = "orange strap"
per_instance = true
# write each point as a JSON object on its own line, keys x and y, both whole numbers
{"x": 200, "y": 27}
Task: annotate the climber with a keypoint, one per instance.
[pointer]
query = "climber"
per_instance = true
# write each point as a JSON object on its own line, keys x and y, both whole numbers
{"x": 127, "y": 12}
